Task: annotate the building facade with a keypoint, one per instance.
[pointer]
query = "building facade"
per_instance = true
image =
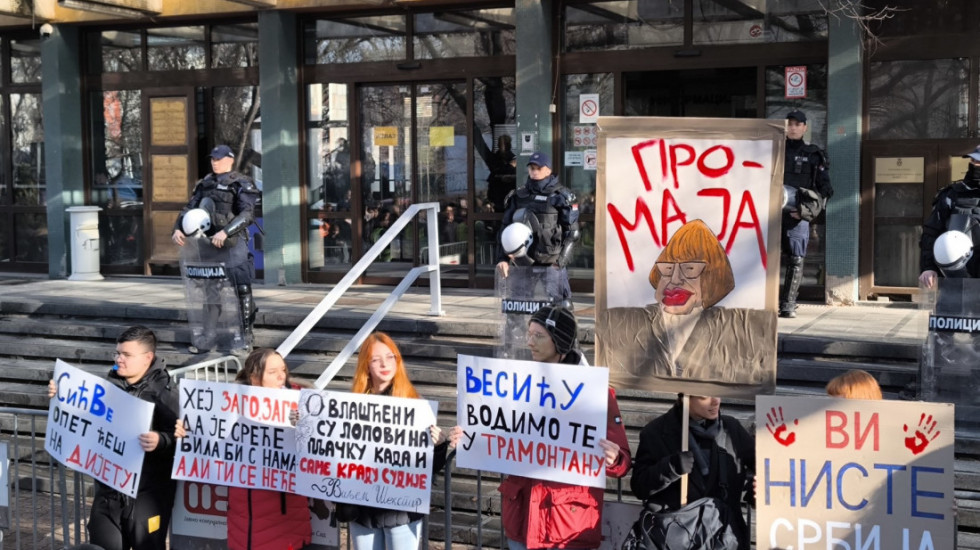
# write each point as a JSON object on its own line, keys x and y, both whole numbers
{"x": 346, "y": 113}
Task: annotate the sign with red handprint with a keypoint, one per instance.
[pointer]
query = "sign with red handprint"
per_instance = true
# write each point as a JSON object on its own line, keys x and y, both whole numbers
{"x": 848, "y": 473}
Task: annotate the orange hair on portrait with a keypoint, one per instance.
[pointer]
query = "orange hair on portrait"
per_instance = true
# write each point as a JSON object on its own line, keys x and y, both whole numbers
{"x": 854, "y": 384}
{"x": 696, "y": 243}
{"x": 401, "y": 386}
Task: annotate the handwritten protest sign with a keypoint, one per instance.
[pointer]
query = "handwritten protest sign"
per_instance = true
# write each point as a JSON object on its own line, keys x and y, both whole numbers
{"x": 237, "y": 435}
{"x": 540, "y": 420}
{"x": 365, "y": 449}
{"x": 838, "y": 473}
{"x": 94, "y": 428}
{"x": 702, "y": 196}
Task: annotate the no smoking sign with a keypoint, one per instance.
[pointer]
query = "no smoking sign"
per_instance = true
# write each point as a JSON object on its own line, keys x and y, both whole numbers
{"x": 588, "y": 108}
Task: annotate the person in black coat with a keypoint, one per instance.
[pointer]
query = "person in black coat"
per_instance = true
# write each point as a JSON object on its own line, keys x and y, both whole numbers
{"x": 719, "y": 462}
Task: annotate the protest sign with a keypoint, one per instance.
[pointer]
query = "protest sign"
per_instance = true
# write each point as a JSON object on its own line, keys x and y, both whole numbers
{"x": 199, "y": 519}
{"x": 539, "y": 420}
{"x": 237, "y": 435}
{"x": 702, "y": 196}
{"x": 94, "y": 428}
{"x": 847, "y": 473}
{"x": 364, "y": 449}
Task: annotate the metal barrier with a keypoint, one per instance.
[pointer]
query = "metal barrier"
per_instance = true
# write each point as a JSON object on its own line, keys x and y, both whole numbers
{"x": 40, "y": 508}
{"x": 449, "y": 253}
{"x": 435, "y": 290}
{"x": 222, "y": 369}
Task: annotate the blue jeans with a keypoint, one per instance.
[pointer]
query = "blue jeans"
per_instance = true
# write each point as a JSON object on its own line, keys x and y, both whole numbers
{"x": 402, "y": 537}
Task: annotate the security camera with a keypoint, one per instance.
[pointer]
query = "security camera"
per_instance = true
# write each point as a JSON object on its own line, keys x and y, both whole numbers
{"x": 46, "y": 30}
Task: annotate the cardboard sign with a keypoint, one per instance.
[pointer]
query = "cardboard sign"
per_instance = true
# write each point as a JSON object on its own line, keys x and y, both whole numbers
{"x": 365, "y": 449}
{"x": 539, "y": 420}
{"x": 839, "y": 473}
{"x": 687, "y": 253}
{"x": 94, "y": 428}
{"x": 237, "y": 435}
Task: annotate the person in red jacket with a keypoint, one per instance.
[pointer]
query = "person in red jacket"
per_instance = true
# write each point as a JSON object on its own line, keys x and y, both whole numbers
{"x": 259, "y": 519}
{"x": 548, "y": 514}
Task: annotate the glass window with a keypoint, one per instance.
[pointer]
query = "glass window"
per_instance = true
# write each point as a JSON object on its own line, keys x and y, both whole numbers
{"x": 236, "y": 124}
{"x": 353, "y": 40}
{"x": 175, "y": 48}
{"x": 581, "y": 139}
{"x": 750, "y": 21}
{"x": 27, "y": 153}
{"x": 623, "y": 24}
{"x": 329, "y": 177}
{"x": 25, "y": 61}
{"x": 121, "y": 51}
{"x": 31, "y": 237}
{"x": 814, "y": 104}
{"x": 464, "y": 33}
{"x": 494, "y": 162}
{"x": 235, "y": 45}
{"x": 919, "y": 99}
{"x": 118, "y": 178}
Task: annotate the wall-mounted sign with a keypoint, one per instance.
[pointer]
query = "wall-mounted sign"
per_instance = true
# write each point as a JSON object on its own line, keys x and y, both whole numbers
{"x": 795, "y": 82}
{"x": 900, "y": 169}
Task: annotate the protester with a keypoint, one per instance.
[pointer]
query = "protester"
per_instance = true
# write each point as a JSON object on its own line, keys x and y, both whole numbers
{"x": 381, "y": 371}
{"x": 854, "y": 384}
{"x": 118, "y": 522}
{"x": 259, "y": 518}
{"x": 549, "y": 514}
{"x": 230, "y": 199}
{"x": 719, "y": 461}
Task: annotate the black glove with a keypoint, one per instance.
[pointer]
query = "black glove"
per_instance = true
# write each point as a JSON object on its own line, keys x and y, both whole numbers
{"x": 682, "y": 462}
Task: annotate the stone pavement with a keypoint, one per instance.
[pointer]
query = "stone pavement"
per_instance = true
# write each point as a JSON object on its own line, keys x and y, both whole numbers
{"x": 882, "y": 324}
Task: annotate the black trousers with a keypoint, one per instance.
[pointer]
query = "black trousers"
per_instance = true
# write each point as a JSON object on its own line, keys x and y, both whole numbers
{"x": 118, "y": 522}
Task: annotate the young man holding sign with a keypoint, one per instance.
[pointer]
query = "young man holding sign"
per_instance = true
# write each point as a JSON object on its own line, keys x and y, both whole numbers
{"x": 119, "y": 522}
{"x": 549, "y": 514}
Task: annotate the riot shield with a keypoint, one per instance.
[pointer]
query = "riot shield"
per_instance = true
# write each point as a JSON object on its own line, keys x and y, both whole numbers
{"x": 949, "y": 369}
{"x": 212, "y": 303}
{"x": 521, "y": 293}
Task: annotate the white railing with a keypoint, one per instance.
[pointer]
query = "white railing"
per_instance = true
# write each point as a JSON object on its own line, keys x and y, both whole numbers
{"x": 435, "y": 290}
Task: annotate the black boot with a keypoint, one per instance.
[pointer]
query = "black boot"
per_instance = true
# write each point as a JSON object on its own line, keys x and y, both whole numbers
{"x": 248, "y": 311}
{"x": 791, "y": 286}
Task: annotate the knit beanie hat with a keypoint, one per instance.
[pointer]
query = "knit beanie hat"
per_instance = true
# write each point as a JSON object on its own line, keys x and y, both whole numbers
{"x": 560, "y": 324}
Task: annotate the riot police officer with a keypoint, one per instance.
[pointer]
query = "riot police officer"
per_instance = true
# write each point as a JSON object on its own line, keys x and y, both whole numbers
{"x": 551, "y": 212}
{"x": 230, "y": 198}
{"x": 806, "y": 176}
{"x": 956, "y": 208}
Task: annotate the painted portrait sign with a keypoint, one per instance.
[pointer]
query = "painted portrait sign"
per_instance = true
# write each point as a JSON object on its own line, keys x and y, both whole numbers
{"x": 687, "y": 253}
{"x": 850, "y": 473}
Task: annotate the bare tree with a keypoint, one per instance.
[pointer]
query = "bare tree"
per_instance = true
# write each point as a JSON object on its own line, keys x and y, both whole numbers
{"x": 864, "y": 15}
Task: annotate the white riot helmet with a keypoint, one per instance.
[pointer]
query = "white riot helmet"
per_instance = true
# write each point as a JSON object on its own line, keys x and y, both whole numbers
{"x": 196, "y": 222}
{"x": 516, "y": 239}
{"x": 952, "y": 251}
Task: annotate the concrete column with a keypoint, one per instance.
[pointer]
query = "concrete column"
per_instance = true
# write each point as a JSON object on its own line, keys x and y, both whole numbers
{"x": 279, "y": 89}
{"x": 535, "y": 69}
{"x": 61, "y": 105}
{"x": 844, "y": 106}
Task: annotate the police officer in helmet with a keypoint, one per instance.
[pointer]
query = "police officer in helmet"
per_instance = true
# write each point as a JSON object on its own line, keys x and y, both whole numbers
{"x": 807, "y": 179}
{"x": 230, "y": 198}
{"x": 550, "y": 210}
{"x": 955, "y": 208}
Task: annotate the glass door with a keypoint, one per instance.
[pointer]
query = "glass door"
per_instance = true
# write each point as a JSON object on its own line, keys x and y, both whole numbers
{"x": 413, "y": 147}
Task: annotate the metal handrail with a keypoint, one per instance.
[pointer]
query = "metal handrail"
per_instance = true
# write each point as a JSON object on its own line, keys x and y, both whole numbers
{"x": 435, "y": 290}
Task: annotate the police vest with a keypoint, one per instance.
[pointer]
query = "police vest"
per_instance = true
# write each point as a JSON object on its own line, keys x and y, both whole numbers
{"x": 547, "y": 232}
{"x": 802, "y": 166}
{"x": 965, "y": 210}
{"x": 223, "y": 190}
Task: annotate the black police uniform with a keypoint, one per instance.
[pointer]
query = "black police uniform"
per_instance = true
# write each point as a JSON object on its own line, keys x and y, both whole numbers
{"x": 807, "y": 169}
{"x": 230, "y": 199}
{"x": 552, "y": 213}
{"x": 963, "y": 198}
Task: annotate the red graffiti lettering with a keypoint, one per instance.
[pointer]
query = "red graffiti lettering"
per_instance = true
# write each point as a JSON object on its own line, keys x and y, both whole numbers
{"x": 726, "y": 203}
{"x": 679, "y": 215}
{"x": 620, "y": 222}
{"x": 747, "y": 204}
